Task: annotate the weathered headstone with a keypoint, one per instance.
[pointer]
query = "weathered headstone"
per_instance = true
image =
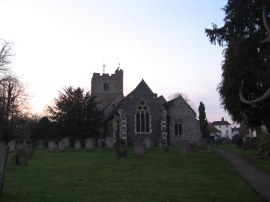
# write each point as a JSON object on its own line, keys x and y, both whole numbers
{"x": 3, "y": 157}
{"x": 90, "y": 143}
{"x": 109, "y": 142}
{"x": 66, "y": 142}
{"x": 40, "y": 144}
{"x": 78, "y": 144}
{"x": 99, "y": 142}
{"x": 139, "y": 149}
{"x": 185, "y": 148}
{"x": 61, "y": 145}
{"x": 147, "y": 142}
{"x": 52, "y": 145}
{"x": 22, "y": 154}
{"x": 121, "y": 148}
{"x": 12, "y": 145}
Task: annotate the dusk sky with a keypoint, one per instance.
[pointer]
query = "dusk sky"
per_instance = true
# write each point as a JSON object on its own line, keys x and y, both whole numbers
{"x": 61, "y": 43}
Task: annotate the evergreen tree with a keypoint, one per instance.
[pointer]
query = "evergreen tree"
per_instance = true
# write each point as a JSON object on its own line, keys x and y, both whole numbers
{"x": 246, "y": 60}
{"x": 203, "y": 121}
{"x": 76, "y": 114}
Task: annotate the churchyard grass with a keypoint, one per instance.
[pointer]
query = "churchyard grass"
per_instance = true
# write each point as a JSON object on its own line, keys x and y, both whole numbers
{"x": 98, "y": 175}
{"x": 248, "y": 155}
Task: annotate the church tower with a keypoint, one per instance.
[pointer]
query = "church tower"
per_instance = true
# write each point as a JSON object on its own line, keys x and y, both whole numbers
{"x": 107, "y": 87}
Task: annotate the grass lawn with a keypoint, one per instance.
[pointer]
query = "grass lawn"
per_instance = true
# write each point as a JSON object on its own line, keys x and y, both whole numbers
{"x": 98, "y": 175}
{"x": 248, "y": 155}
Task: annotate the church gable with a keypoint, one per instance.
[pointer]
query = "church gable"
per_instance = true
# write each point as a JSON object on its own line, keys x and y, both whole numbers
{"x": 143, "y": 112}
{"x": 183, "y": 123}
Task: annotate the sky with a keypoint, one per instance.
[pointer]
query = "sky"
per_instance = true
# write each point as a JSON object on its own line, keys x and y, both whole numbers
{"x": 61, "y": 43}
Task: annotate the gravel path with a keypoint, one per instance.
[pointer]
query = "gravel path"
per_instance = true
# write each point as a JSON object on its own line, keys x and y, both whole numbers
{"x": 257, "y": 178}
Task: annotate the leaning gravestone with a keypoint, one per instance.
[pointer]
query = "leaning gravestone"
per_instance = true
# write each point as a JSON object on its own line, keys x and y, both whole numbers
{"x": 109, "y": 142}
{"x": 12, "y": 145}
{"x": 90, "y": 143}
{"x": 22, "y": 154}
{"x": 78, "y": 144}
{"x": 139, "y": 149}
{"x": 185, "y": 148}
{"x": 147, "y": 142}
{"x": 3, "y": 157}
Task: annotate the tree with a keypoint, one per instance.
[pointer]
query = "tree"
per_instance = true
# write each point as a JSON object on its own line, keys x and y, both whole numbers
{"x": 246, "y": 61}
{"x": 5, "y": 55}
{"x": 13, "y": 107}
{"x": 76, "y": 114}
{"x": 203, "y": 121}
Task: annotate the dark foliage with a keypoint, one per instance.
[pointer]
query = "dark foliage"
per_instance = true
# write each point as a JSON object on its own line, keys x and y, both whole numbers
{"x": 203, "y": 121}
{"x": 245, "y": 58}
{"x": 75, "y": 114}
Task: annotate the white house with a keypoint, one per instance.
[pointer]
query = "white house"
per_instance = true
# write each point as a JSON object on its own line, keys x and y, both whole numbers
{"x": 224, "y": 127}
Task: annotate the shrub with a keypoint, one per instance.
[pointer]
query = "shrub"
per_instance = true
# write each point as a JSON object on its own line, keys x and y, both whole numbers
{"x": 264, "y": 146}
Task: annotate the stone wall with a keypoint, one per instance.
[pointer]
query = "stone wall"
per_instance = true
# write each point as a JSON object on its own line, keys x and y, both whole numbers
{"x": 180, "y": 111}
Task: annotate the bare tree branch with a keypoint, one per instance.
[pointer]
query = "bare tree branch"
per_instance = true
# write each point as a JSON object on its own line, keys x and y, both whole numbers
{"x": 5, "y": 54}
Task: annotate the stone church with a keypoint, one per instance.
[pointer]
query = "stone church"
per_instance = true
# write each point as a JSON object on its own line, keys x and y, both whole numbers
{"x": 142, "y": 114}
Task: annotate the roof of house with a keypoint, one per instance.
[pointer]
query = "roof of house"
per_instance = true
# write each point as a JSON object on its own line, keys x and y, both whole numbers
{"x": 220, "y": 123}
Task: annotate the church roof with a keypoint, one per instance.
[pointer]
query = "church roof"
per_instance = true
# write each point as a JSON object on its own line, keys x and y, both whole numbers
{"x": 171, "y": 103}
{"x": 141, "y": 89}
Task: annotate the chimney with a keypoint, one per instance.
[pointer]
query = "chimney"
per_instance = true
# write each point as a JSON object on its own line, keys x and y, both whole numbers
{"x": 222, "y": 119}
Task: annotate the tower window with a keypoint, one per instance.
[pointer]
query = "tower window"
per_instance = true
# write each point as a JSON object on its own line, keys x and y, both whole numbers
{"x": 106, "y": 87}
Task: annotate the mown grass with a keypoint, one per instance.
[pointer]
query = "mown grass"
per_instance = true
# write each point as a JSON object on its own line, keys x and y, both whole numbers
{"x": 248, "y": 155}
{"x": 98, "y": 175}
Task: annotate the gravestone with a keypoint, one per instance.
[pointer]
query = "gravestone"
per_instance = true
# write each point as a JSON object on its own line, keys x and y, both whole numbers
{"x": 109, "y": 142}
{"x": 99, "y": 142}
{"x": 12, "y": 145}
{"x": 3, "y": 157}
{"x": 139, "y": 149}
{"x": 40, "y": 144}
{"x": 52, "y": 145}
{"x": 78, "y": 144}
{"x": 22, "y": 154}
{"x": 121, "y": 148}
{"x": 147, "y": 142}
{"x": 66, "y": 142}
{"x": 61, "y": 145}
{"x": 90, "y": 143}
{"x": 185, "y": 148}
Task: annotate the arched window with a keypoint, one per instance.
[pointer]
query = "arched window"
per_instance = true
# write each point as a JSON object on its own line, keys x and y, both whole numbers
{"x": 142, "y": 119}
